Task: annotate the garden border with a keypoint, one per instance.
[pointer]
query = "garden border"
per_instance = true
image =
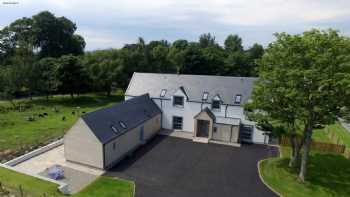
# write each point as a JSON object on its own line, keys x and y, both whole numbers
{"x": 34, "y": 153}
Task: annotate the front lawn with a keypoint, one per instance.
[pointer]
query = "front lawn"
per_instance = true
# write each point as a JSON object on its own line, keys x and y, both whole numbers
{"x": 17, "y": 134}
{"x": 108, "y": 187}
{"x": 328, "y": 176}
{"x": 33, "y": 187}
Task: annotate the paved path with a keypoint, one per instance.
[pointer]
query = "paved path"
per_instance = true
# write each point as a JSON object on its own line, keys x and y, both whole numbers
{"x": 76, "y": 176}
{"x": 175, "y": 167}
{"x": 41, "y": 162}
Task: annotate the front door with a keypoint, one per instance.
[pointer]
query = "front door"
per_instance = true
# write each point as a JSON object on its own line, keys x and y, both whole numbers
{"x": 203, "y": 128}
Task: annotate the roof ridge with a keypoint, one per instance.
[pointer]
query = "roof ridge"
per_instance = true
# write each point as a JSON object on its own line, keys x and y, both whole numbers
{"x": 172, "y": 74}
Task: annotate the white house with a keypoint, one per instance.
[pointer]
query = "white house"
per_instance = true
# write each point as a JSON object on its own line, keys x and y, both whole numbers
{"x": 210, "y": 107}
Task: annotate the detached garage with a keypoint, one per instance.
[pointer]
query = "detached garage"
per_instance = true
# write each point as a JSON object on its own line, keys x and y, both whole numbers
{"x": 102, "y": 138}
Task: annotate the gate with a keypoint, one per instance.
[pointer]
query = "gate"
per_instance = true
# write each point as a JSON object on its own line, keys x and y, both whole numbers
{"x": 246, "y": 133}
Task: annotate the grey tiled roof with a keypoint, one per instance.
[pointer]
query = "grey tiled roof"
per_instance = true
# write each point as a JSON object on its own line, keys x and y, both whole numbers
{"x": 193, "y": 85}
{"x": 132, "y": 113}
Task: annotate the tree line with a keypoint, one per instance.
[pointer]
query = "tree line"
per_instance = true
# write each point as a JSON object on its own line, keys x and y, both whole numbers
{"x": 42, "y": 55}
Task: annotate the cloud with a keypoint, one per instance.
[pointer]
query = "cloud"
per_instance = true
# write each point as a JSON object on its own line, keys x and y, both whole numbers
{"x": 115, "y": 22}
{"x": 100, "y": 39}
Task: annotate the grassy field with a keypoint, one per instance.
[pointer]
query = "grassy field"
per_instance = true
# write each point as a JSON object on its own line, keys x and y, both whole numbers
{"x": 328, "y": 176}
{"x": 340, "y": 132}
{"x": 19, "y": 134}
{"x": 32, "y": 187}
{"x": 322, "y": 135}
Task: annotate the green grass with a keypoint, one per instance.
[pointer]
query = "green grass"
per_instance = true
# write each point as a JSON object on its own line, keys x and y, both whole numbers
{"x": 17, "y": 133}
{"x": 340, "y": 132}
{"x": 320, "y": 135}
{"x": 108, "y": 187}
{"x": 328, "y": 175}
{"x": 33, "y": 187}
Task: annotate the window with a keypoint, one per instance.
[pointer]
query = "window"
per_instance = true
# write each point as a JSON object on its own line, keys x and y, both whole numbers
{"x": 177, "y": 122}
{"x": 114, "y": 146}
{"x": 162, "y": 93}
{"x": 205, "y": 96}
{"x": 122, "y": 124}
{"x": 237, "y": 99}
{"x": 215, "y": 129}
{"x": 115, "y": 130}
{"x": 178, "y": 100}
{"x": 215, "y": 105}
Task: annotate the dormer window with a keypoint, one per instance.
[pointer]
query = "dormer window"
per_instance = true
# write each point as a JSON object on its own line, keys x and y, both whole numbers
{"x": 205, "y": 96}
{"x": 178, "y": 101}
{"x": 216, "y": 105}
{"x": 237, "y": 99}
{"x": 162, "y": 93}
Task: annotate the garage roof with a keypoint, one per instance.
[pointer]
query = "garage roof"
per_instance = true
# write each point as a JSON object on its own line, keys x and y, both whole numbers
{"x": 111, "y": 122}
{"x": 193, "y": 85}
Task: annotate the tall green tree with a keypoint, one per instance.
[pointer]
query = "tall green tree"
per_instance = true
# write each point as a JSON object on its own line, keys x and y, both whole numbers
{"x": 54, "y": 36}
{"x": 194, "y": 60}
{"x": 11, "y": 82}
{"x": 233, "y": 43}
{"x": 274, "y": 98}
{"x": 45, "y": 72}
{"x": 160, "y": 61}
{"x": 254, "y": 53}
{"x": 206, "y": 40}
{"x": 317, "y": 64}
{"x": 104, "y": 69}
{"x": 7, "y": 46}
{"x": 177, "y": 54}
{"x": 72, "y": 75}
{"x": 237, "y": 64}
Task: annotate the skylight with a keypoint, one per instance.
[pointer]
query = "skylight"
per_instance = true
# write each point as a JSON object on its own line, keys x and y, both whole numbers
{"x": 115, "y": 130}
{"x": 205, "y": 96}
{"x": 237, "y": 99}
{"x": 162, "y": 93}
{"x": 122, "y": 124}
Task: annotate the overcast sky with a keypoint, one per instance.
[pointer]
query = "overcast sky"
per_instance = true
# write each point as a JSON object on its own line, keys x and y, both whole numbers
{"x": 112, "y": 23}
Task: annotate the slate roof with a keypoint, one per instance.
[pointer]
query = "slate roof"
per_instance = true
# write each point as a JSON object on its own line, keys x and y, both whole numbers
{"x": 132, "y": 113}
{"x": 194, "y": 86}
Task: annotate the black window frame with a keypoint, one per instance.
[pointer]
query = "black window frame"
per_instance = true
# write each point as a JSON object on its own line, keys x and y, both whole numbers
{"x": 182, "y": 101}
{"x": 235, "y": 99}
{"x": 178, "y": 125}
{"x": 161, "y": 93}
{"x": 205, "y": 96}
{"x": 213, "y": 106}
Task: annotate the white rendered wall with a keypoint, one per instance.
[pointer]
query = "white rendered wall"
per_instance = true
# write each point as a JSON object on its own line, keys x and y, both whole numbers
{"x": 190, "y": 109}
{"x": 187, "y": 112}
